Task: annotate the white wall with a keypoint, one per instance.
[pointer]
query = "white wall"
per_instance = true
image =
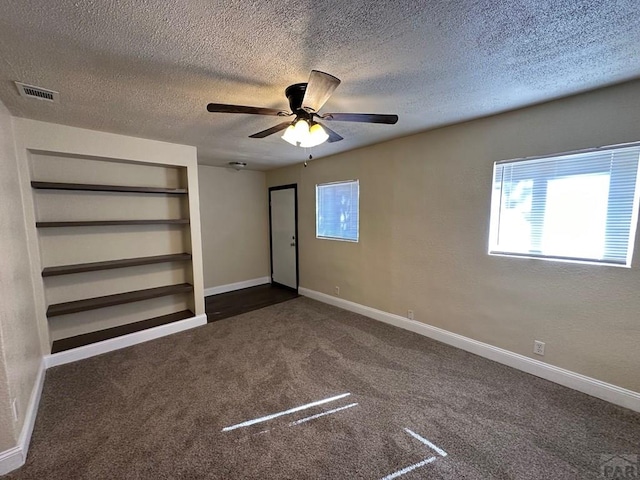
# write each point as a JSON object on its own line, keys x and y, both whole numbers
{"x": 235, "y": 225}
{"x": 424, "y": 221}
{"x": 20, "y": 351}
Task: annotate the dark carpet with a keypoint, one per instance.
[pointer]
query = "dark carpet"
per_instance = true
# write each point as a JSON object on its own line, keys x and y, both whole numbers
{"x": 158, "y": 410}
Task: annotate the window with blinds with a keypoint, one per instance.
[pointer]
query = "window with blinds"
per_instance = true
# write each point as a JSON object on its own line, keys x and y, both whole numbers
{"x": 574, "y": 207}
{"x": 337, "y": 210}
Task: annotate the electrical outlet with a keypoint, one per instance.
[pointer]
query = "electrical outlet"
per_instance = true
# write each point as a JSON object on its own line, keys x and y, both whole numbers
{"x": 410, "y": 314}
{"x": 14, "y": 407}
{"x": 337, "y": 291}
{"x": 538, "y": 347}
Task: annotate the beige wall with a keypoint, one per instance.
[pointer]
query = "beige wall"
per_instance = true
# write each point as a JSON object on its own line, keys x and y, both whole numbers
{"x": 20, "y": 353}
{"x": 235, "y": 225}
{"x": 424, "y": 221}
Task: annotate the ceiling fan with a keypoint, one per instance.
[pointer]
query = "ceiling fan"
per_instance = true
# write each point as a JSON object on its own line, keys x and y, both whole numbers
{"x": 305, "y": 100}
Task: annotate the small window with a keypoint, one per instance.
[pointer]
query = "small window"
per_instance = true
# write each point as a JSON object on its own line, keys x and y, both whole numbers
{"x": 337, "y": 210}
{"x": 573, "y": 207}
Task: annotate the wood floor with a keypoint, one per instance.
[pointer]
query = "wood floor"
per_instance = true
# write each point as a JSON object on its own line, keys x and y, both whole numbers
{"x": 228, "y": 304}
{"x": 217, "y": 307}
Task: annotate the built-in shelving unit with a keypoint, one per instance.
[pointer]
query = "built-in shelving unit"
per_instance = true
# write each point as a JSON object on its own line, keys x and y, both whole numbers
{"x": 111, "y": 264}
{"x": 73, "y": 280}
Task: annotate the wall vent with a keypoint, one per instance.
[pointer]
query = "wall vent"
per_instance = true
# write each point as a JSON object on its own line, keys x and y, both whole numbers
{"x": 30, "y": 91}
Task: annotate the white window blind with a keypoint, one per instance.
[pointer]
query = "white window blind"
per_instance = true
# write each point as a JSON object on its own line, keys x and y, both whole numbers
{"x": 581, "y": 207}
{"x": 337, "y": 210}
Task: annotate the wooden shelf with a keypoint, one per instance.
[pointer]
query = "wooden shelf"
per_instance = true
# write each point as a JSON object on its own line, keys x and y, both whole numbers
{"x": 117, "y": 299}
{"x": 100, "y": 335}
{"x": 105, "y": 188}
{"x": 103, "y": 223}
{"x": 110, "y": 264}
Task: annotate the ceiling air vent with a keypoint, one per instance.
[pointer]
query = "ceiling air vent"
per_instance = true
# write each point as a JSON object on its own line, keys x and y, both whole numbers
{"x": 30, "y": 91}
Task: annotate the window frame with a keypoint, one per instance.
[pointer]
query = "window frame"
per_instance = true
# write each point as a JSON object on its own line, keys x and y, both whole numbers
{"x": 339, "y": 239}
{"x": 492, "y": 249}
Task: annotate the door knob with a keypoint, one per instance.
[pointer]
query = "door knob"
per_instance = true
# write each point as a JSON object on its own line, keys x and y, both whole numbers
{"x": 293, "y": 244}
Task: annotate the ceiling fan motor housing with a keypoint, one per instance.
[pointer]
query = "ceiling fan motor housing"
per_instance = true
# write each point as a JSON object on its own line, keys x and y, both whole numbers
{"x": 295, "y": 95}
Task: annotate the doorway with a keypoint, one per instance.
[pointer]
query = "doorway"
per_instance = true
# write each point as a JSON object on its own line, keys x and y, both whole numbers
{"x": 283, "y": 232}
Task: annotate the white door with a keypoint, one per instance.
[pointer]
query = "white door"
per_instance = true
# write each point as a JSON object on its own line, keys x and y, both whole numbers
{"x": 283, "y": 237}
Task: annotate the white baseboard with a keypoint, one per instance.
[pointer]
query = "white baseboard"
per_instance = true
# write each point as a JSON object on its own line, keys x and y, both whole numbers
{"x": 11, "y": 459}
{"x": 16, "y": 456}
{"x": 32, "y": 410}
{"x": 117, "y": 343}
{"x": 582, "y": 383}
{"x": 230, "y": 287}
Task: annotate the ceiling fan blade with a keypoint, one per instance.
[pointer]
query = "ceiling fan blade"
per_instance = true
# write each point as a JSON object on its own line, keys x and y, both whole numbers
{"x": 270, "y": 131}
{"x": 333, "y": 136}
{"x": 360, "y": 117}
{"x": 223, "y": 108}
{"x": 319, "y": 88}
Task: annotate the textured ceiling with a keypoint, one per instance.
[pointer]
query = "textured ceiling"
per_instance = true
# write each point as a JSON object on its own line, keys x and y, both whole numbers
{"x": 148, "y": 68}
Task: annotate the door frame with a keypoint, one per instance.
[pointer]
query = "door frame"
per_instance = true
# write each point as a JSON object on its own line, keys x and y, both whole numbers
{"x": 295, "y": 198}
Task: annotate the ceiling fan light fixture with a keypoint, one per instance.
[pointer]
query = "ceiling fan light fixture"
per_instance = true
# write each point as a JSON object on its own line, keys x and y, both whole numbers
{"x": 317, "y": 135}
{"x": 290, "y": 136}
{"x": 300, "y": 134}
